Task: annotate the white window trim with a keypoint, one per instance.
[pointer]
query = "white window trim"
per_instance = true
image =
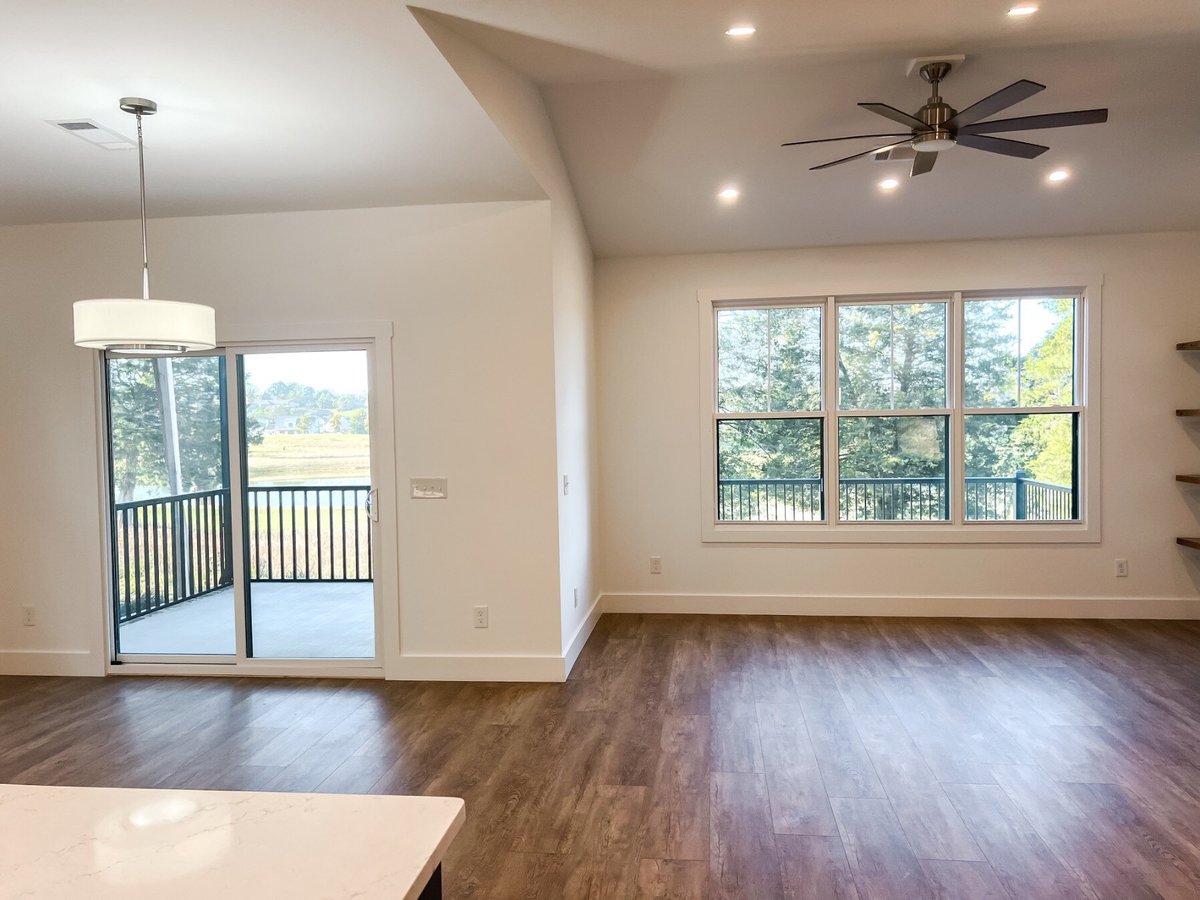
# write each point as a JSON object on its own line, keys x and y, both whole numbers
{"x": 955, "y": 531}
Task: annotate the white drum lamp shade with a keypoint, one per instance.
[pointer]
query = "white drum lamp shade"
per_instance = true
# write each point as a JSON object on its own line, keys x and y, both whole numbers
{"x": 144, "y": 326}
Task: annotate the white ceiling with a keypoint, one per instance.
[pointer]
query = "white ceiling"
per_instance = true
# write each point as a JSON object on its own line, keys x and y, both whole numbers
{"x": 265, "y": 106}
{"x": 648, "y": 157}
{"x": 681, "y": 35}
{"x": 303, "y": 104}
{"x": 656, "y": 110}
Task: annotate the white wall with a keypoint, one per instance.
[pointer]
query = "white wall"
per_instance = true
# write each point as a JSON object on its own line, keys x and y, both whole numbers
{"x": 468, "y": 289}
{"x": 648, "y": 364}
{"x": 516, "y": 107}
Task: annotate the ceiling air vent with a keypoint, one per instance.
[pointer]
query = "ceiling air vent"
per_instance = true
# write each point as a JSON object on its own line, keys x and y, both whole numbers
{"x": 94, "y": 133}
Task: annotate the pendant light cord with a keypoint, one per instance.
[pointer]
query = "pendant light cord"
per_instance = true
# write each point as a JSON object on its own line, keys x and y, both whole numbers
{"x": 142, "y": 188}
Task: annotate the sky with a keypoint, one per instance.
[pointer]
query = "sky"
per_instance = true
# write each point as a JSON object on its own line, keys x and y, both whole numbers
{"x": 340, "y": 371}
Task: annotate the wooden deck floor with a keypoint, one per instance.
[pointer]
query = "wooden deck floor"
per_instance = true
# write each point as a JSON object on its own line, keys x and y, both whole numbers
{"x": 695, "y": 756}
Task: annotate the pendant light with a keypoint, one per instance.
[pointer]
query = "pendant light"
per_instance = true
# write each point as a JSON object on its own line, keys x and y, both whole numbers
{"x": 145, "y": 327}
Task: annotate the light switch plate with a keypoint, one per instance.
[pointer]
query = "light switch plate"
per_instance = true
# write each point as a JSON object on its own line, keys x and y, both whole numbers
{"x": 428, "y": 488}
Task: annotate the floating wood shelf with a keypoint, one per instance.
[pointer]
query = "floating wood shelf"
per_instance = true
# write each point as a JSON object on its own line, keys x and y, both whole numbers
{"x": 1187, "y": 412}
{"x": 1189, "y": 479}
{"x": 1194, "y": 543}
{"x": 1188, "y": 345}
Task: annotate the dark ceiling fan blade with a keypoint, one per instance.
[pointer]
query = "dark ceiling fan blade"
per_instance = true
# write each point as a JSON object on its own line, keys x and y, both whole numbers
{"x": 845, "y": 159}
{"x": 896, "y": 115}
{"x": 1030, "y": 123}
{"x": 993, "y": 103}
{"x": 849, "y": 137}
{"x": 923, "y": 162}
{"x": 1002, "y": 146}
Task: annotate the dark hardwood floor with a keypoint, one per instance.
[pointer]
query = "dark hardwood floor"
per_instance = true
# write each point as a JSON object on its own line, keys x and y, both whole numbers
{"x": 706, "y": 756}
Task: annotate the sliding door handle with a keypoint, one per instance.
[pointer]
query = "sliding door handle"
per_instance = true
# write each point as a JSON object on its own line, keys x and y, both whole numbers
{"x": 373, "y": 504}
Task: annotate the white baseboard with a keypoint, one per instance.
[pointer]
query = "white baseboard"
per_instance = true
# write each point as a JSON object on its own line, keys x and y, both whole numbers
{"x": 582, "y": 633}
{"x": 49, "y": 662}
{"x": 477, "y": 668}
{"x": 942, "y": 607}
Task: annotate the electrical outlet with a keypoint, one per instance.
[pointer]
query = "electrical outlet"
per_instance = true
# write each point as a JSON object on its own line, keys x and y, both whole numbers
{"x": 1122, "y": 568}
{"x": 575, "y": 595}
{"x": 656, "y": 565}
{"x": 481, "y": 617}
{"x": 28, "y": 615}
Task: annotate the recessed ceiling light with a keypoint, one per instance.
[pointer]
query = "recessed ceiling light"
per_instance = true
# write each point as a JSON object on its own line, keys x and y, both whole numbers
{"x": 889, "y": 184}
{"x": 729, "y": 194}
{"x": 1024, "y": 9}
{"x": 740, "y": 30}
{"x": 1058, "y": 175}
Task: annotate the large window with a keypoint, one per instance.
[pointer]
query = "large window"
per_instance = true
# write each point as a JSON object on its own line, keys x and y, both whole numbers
{"x": 951, "y": 414}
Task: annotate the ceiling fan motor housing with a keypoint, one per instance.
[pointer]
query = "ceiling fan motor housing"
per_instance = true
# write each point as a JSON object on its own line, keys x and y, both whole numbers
{"x": 936, "y": 113}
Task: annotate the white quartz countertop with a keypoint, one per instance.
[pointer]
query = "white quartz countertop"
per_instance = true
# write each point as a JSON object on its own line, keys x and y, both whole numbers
{"x": 100, "y": 843}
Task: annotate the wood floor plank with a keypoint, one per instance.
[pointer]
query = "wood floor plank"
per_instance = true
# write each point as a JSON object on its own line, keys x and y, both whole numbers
{"x": 953, "y": 879}
{"x": 770, "y": 674}
{"x": 957, "y": 654}
{"x": 1172, "y": 869}
{"x": 529, "y": 876}
{"x": 676, "y": 825}
{"x": 799, "y": 804}
{"x": 943, "y": 713}
{"x": 909, "y": 649}
{"x": 601, "y": 846}
{"x": 566, "y": 771}
{"x": 743, "y": 861}
{"x": 356, "y": 775}
{"x": 689, "y": 684}
{"x": 846, "y": 767}
{"x": 814, "y": 867}
{"x": 672, "y": 879}
{"x": 629, "y": 755}
{"x": 1173, "y": 793}
{"x": 883, "y": 864}
{"x": 928, "y": 818}
{"x": 1100, "y": 867}
{"x": 1020, "y": 858}
{"x": 736, "y": 746}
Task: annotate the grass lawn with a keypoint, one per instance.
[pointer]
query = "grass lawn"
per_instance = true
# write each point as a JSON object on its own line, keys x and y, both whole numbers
{"x": 299, "y": 458}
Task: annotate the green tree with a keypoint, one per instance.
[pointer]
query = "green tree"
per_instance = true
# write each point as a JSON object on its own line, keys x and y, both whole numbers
{"x": 136, "y": 427}
{"x": 1048, "y": 441}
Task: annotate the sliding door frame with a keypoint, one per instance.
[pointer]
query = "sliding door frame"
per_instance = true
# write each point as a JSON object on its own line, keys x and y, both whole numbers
{"x": 375, "y": 338}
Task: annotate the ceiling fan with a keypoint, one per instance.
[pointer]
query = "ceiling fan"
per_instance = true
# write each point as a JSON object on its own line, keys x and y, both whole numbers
{"x": 938, "y": 126}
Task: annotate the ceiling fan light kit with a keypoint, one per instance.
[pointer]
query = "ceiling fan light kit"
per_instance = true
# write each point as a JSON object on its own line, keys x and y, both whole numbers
{"x": 937, "y": 126}
{"x": 144, "y": 327}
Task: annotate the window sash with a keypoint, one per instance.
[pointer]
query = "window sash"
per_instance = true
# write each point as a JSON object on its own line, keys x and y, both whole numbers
{"x": 1078, "y": 311}
{"x": 839, "y": 303}
{"x": 955, "y": 411}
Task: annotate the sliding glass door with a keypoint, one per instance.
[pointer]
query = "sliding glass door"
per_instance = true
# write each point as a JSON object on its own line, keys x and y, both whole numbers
{"x": 242, "y": 506}
{"x": 308, "y": 494}
{"x": 172, "y": 550}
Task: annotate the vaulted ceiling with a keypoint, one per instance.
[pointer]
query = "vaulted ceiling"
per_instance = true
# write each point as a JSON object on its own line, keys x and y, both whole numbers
{"x": 282, "y": 104}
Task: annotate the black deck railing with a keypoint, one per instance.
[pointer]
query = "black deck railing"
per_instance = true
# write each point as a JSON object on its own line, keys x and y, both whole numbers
{"x": 300, "y": 533}
{"x": 1017, "y": 498}
{"x": 172, "y": 549}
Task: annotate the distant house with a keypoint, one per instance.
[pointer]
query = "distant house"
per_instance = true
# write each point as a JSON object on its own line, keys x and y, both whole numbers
{"x": 283, "y": 425}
